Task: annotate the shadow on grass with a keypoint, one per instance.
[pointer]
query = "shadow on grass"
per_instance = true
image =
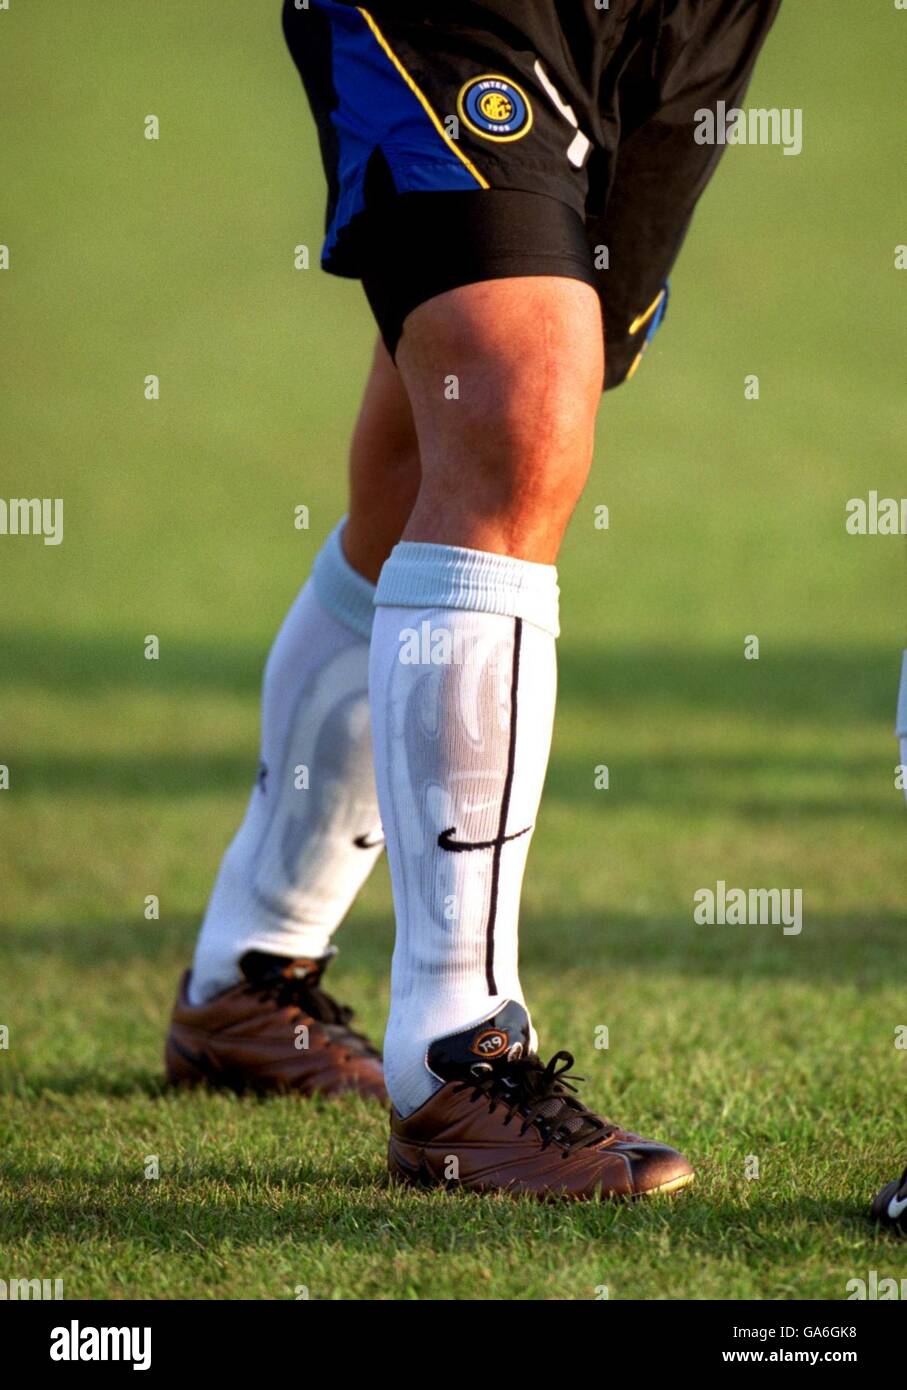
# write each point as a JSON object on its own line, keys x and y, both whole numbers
{"x": 658, "y": 685}
{"x": 845, "y": 948}
{"x": 247, "y": 1205}
{"x": 123, "y": 1083}
{"x": 781, "y": 788}
{"x": 772, "y": 788}
{"x": 827, "y": 682}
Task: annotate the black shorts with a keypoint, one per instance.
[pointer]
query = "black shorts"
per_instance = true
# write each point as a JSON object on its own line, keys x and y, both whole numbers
{"x": 519, "y": 137}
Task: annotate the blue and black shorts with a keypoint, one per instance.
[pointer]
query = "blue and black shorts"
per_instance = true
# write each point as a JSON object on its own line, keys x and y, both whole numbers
{"x": 482, "y": 139}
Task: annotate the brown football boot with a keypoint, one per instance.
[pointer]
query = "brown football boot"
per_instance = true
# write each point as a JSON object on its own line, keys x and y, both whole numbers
{"x": 275, "y": 1031}
{"x": 505, "y": 1122}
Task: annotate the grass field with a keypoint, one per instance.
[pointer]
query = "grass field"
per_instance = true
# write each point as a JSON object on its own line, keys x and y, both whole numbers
{"x": 128, "y": 776}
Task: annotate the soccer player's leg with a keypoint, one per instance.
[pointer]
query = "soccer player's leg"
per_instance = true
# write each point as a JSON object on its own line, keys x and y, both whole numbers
{"x": 889, "y": 1207}
{"x": 384, "y": 470}
{"x": 504, "y": 377}
{"x": 901, "y": 723}
{"x": 312, "y": 829}
{"x": 302, "y": 852}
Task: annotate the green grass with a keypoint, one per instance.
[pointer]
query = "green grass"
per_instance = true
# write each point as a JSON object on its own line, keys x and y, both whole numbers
{"x": 128, "y": 776}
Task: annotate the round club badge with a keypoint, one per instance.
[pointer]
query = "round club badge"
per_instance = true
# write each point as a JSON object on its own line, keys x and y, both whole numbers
{"x": 495, "y": 107}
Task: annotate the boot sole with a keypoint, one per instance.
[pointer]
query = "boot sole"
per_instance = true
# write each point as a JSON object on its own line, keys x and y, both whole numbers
{"x": 673, "y": 1185}
{"x": 402, "y": 1177}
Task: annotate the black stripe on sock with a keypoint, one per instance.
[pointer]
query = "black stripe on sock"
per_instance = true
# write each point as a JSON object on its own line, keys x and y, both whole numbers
{"x": 505, "y": 808}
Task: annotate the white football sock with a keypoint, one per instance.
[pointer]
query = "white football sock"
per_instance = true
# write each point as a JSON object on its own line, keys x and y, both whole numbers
{"x": 901, "y": 723}
{"x": 302, "y": 853}
{"x": 462, "y": 679}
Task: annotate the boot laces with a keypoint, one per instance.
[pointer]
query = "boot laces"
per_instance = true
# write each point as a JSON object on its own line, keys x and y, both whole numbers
{"x": 305, "y": 993}
{"x": 541, "y": 1094}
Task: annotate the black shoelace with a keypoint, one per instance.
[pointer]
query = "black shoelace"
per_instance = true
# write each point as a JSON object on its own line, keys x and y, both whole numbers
{"x": 306, "y": 994}
{"x": 542, "y": 1096}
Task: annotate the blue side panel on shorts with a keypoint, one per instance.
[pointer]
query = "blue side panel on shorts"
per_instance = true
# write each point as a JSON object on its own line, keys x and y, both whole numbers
{"x": 659, "y": 313}
{"x": 376, "y": 109}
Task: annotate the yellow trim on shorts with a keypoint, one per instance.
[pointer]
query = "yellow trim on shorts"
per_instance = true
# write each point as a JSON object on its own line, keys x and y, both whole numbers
{"x": 423, "y": 99}
{"x": 640, "y": 319}
{"x": 634, "y": 364}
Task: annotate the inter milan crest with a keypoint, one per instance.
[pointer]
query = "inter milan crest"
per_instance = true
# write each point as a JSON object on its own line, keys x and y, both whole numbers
{"x": 495, "y": 107}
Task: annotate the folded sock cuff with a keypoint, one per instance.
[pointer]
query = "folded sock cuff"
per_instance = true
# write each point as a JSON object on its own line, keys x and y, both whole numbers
{"x": 419, "y": 574}
{"x": 347, "y": 596}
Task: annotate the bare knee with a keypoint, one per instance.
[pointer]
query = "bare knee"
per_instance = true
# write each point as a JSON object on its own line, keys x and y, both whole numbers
{"x": 504, "y": 378}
